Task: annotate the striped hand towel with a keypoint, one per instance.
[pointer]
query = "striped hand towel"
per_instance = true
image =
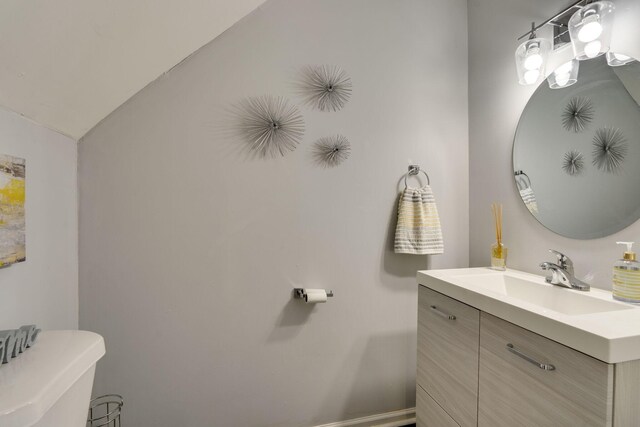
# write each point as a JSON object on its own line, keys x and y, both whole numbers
{"x": 529, "y": 199}
{"x": 418, "y": 231}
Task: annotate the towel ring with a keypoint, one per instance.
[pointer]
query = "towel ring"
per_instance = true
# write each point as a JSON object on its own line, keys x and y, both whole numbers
{"x": 521, "y": 175}
{"x": 415, "y": 170}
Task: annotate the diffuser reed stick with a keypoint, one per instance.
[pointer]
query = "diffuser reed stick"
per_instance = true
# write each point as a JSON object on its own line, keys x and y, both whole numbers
{"x": 498, "y": 250}
{"x": 496, "y": 208}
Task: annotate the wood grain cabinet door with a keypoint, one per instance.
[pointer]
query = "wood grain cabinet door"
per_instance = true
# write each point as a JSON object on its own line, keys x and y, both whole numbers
{"x": 448, "y": 341}
{"x": 529, "y": 380}
{"x": 429, "y": 413}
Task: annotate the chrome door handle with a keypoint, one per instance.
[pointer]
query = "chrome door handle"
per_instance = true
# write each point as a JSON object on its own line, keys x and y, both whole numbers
{"x": 543, "y": 366}
{"x": 442, "y": 313}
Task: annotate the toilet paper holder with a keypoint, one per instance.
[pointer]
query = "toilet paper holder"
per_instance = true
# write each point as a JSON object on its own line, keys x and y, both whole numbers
{"x": 301, "y": 292}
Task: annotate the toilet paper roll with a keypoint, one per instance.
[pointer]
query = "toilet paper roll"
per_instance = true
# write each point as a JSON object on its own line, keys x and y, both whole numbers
{"x": 314, "y": 296}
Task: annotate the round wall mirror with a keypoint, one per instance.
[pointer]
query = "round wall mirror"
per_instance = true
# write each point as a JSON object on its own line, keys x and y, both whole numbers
{"x": 576, "y": 153}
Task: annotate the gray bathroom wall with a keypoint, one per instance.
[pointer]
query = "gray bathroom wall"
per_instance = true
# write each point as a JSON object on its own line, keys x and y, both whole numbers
{"x": 44, "y": 288}
{"x": 189, "y": 250}
{"x": 496, "y": 101}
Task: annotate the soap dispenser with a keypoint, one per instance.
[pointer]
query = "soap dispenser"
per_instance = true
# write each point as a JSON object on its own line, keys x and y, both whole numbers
{"x": 626, "y": 276}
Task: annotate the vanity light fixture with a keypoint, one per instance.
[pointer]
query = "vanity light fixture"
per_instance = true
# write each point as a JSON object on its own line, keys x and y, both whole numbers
{"x": 618, "y": 59}
{"x": 531, "y": 58}
{"x": 587, "y": 25}
{"x": 565, "y": 75}
{"x": 590, "y": 29}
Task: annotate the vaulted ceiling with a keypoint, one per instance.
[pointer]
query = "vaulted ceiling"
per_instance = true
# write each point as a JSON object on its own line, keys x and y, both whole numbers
{"x": 67, "y": 64}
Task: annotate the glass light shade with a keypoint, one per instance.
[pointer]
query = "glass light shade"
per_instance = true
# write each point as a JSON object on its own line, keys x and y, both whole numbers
{"x": 590, "y": 29}
{"x": 618, "y": 59}
{"x": 531, "y": 59}
{"x": 565, "y": 75}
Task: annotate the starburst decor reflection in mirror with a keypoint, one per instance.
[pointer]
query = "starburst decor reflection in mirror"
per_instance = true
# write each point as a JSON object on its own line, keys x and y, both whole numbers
{"x": 578, "y": 114}
{"x": 573, "y": 163}
{"x": 609, "y": 149}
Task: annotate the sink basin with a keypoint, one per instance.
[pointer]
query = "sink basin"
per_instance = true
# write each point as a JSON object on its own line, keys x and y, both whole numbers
{"x": 542, "y": 294}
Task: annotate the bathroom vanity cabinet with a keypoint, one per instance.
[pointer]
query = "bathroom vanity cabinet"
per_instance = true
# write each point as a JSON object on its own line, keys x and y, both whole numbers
{"x": 475, "y": 369}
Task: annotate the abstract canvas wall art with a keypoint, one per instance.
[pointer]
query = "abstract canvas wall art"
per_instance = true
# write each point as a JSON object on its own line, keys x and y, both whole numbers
{"x": 12, "y": 219}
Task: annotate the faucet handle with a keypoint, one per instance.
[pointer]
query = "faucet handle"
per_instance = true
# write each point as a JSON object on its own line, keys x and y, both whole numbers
{"x": 563, "y": 261}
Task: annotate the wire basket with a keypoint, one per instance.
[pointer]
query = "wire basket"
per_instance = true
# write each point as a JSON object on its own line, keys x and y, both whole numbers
{"x": 104, "y": 411}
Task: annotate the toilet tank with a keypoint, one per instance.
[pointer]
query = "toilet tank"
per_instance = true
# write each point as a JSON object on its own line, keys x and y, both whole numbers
{"x": 49, "y": 385}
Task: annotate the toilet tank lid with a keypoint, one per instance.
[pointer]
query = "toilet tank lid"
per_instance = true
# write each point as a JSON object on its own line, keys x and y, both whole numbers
{"x": 34, "y": 381}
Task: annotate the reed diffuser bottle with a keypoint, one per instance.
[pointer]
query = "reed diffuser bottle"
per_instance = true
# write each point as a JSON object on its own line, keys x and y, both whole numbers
{"x": 498, "y": 249}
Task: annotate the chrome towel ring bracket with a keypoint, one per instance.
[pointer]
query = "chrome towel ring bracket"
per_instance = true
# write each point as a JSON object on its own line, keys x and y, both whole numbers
{"x": 415, "y": 170}
{"x": 524, "y": 178}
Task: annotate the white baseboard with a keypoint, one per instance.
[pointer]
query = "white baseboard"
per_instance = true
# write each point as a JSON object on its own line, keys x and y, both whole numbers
{"x": 389, "y": 419}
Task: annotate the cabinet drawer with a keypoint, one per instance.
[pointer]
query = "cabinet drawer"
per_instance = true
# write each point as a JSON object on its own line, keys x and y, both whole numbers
{"x": 448, "y": 340}
{"x": 529, "y": 380}
{"x": 429, "y": 413}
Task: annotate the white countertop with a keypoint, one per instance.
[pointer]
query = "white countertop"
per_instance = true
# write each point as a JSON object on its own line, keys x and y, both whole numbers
{"x": 611, "y": 336}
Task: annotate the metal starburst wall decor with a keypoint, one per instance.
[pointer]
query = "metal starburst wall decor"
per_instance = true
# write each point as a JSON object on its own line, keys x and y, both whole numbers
{"x": 578, "y": 114}
{"x": 331, "y": 151}
{"x": 573, "y": 163}
{"x": 609, "y": 149}
{"x": 325, "y": 87}
{"x": 269, "y": 125}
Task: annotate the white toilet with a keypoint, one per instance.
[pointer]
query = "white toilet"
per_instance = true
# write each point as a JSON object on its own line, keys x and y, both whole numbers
{"x": 49, "y": 385}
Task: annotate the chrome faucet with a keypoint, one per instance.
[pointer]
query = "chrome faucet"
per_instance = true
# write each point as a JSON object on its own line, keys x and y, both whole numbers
{"x": 562, "y": 273}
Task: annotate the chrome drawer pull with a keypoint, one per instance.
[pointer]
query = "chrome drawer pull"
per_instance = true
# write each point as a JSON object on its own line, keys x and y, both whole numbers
{"x": 442, "y": 313}
{"x": 543, "y": 366}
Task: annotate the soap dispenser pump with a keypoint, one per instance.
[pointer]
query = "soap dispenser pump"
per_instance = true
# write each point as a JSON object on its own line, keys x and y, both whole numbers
{"x": 626, "y": 276}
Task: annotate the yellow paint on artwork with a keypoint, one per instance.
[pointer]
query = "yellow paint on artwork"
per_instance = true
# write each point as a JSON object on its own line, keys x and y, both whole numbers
{"x": 12, "y": 218}
{"x": 13, "y": 192}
